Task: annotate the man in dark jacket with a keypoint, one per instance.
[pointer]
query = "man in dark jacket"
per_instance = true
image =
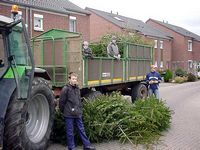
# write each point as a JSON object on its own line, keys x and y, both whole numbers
{"x": 112, "y": 48}
{"x": 153, "y": 78}
{"x": 71, "y": 107}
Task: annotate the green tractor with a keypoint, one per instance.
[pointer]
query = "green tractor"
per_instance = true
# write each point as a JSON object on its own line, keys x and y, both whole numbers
{"x": 27, "y": 101}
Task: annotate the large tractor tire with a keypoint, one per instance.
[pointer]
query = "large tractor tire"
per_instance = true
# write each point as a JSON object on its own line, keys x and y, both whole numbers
{"x": 139, "y": 91}
{"x": 28, "y": 124}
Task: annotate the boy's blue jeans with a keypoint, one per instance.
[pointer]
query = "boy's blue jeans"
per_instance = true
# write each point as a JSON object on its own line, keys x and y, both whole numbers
{"x": 154, "y": 92}
{"x": 77, "y": 122}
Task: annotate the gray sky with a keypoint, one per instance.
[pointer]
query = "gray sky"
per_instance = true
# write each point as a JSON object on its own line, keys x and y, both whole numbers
{"x": 182, "y": 13}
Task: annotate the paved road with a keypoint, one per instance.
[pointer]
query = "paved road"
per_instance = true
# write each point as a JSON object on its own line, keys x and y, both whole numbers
{"x": 184, "y": 134}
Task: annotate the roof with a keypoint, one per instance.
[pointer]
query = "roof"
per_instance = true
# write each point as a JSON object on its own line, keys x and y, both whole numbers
{"x": 131, "y": 24}
{"x": 56, "y": 34}
{"x": 5, "y": 20}
{"x": 178, "y": 29}
{"x": 60, "y": 6}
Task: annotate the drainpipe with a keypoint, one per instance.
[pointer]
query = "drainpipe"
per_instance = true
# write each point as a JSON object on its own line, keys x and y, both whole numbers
{"x": 31, "y": 23}
{"x": 26, "y": 19}
{"x": 159, "y": 54}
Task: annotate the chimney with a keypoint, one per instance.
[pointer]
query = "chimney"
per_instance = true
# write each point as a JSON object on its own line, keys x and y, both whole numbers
{"x": 117, "y": 12}
{"x": 111, "y": 11}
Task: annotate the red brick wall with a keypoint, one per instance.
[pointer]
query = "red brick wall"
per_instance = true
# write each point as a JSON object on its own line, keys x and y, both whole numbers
{"x": 5, "y": 10}
{"x": 51, "y": 20}
{"x": 100, "y": 27}
{"x": 196, "y": 50}
{"x": 83, "y": 26}
{"x": 166, "y": 52}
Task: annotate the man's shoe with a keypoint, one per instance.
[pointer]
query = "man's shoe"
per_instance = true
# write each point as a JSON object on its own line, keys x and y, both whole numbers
{"x": 89, "y": 148}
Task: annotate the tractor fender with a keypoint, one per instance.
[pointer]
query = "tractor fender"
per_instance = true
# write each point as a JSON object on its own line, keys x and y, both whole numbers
{"x": 39, "y": 72}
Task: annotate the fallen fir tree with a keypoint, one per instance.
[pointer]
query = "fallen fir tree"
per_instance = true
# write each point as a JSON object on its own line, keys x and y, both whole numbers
{"x": 111, "y": 117}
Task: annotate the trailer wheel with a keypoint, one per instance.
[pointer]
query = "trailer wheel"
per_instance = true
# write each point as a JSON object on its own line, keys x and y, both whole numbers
{"x": 92, "y": 95}
{"x": 139, "y": 91}
{"x": 28, "y": 125}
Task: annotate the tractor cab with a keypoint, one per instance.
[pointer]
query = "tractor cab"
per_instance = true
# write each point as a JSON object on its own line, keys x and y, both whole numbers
{"x": 27, "y": 104}
{"x": 15, "y": 55}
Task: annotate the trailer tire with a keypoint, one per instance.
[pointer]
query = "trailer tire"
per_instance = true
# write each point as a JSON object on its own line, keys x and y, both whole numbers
{"x": 139, "y": 91}
{"x": 28, "y": 124}
{"x": 92, "y": 95}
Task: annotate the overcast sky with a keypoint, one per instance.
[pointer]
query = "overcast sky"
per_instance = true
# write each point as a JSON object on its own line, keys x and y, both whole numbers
{"x": 183, "y": 13}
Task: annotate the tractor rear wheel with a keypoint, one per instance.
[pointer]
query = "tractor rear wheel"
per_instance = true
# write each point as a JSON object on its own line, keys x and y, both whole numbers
{"x": 28, "y": 124}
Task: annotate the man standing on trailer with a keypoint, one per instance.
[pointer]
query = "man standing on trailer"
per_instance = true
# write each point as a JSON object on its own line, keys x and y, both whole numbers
{"x": 71, "y": 107}
{"x": 153, "y": 78}
{"x": 112, "y": 48}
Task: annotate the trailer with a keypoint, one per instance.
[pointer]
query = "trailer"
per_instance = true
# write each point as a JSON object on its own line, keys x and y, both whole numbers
{"x": 60, "y": 52}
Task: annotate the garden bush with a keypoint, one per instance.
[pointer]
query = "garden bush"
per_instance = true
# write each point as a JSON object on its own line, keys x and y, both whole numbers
{"x": 100, "y": 48}
{"x": 179, "y": 79}
{"x": 180, "y": 72}
{"x": 168, "y": 75}
{"x": 111, "y": 117}
{"x": 191, "y": 77}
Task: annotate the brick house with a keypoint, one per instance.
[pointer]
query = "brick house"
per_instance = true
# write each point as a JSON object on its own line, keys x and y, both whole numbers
{"x": 102, "y": 23}
{"x": 185, "y": 45}
{"x": 40, "y": 16}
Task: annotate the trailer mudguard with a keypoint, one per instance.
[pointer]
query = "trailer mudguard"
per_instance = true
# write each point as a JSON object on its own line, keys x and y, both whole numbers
{"x": 7, "y": 87}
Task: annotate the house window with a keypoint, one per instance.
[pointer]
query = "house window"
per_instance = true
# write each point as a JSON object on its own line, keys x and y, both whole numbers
{"x": 38, "y": 22}
{"x": 161, "y": 64}
{"x": 156, "y": 64}
{"x": 189, "y": 45}
{"x": 190, "y": 64}
{"x": 72, "y": 24}
{"x": 155, "y": 43}
{"x": 161, "y": 44}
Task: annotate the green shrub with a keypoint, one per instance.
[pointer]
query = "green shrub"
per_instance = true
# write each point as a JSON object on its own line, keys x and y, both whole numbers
{"x": 180, "y": 72}
{"x": 58, "y": 131}
{"x": 168, "y": 75}
{"x": 112, "y": 117}
{"x": 191, "y": 77}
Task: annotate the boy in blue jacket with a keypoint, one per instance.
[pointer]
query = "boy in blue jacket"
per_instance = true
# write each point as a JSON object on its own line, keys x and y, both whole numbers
{"x": 153, "y": 78}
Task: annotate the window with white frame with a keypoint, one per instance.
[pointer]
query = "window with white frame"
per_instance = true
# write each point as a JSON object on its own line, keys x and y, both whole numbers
{"x": 161, "y": 44}
{"x": 161, "y": 64}
{"x": 189, "y": 45}
{"x": 38, "y": 22}
{"x": 155, "y": 43}
{"x": 190, "y": 64}
{"x": 72, "y": 24}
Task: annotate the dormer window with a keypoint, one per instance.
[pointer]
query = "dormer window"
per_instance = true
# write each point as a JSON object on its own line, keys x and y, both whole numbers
{"x": 119, "y": 19}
